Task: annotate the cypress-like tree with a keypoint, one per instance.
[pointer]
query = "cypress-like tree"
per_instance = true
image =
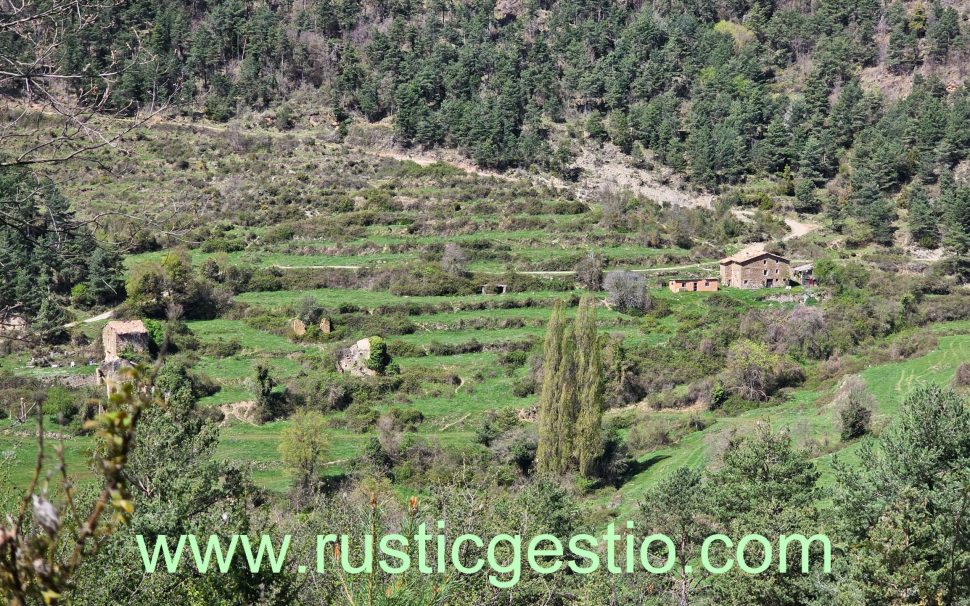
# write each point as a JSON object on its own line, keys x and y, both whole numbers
{"x": 556, "y": 369}
{"x": 589, "y": 381}
{"x": 566, "y": 402}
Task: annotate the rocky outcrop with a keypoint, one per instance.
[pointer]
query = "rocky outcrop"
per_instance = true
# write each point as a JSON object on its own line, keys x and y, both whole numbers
{"x": 506, "y": 10}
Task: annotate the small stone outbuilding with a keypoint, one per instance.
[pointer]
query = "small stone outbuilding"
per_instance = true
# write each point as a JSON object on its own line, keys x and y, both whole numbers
{"x": 804, "y": 274}
{"x": 693, "y": 285}
{"x": 118, "y": 336}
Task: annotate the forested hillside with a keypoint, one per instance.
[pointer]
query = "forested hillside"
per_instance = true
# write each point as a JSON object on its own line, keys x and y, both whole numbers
{"x": 867, "y": 97}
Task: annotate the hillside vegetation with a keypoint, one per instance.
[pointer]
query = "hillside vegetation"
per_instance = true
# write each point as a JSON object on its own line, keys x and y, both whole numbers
{"x": 386, "y": 262}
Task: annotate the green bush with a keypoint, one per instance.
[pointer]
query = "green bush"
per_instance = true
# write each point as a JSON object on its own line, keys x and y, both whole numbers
{"x": 379, "y": 358}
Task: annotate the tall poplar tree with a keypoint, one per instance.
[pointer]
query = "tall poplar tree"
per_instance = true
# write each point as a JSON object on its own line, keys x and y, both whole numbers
{"x": 589, "y": 381}
{"x": 556, "y": 369}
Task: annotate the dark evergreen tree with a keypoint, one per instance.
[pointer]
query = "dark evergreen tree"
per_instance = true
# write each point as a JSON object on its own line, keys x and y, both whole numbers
{"x": 775, "y": 150}
{"x": 923, "y": 218}
{"x": 904, "y": 508}
{"x": 105, "y": 283}
{"x": 49, "y": 323}
{"x": 870, "y": 205}
{"x": 955, "y": 205}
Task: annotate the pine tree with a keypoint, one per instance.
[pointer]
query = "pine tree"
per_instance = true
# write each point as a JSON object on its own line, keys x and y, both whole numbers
{"x": 589, "y": 380}
{"x": 923, "y": 221}
{"x": 848, "y": 116}
{"x": 805, "y": 199}
{"x": 944, "y": 30}
{"x": 766, "y": 486}
{"x": 105, "y": 282}
{"x": 50, "y": 320}
{"x": 870, "y": 206}
{"x": 902, "y": 52}
{"x": 811, "y": 163}
{"x": 914, "y": 477}
{"x": 955, "y": 206}
{"x": 775, "y": 150}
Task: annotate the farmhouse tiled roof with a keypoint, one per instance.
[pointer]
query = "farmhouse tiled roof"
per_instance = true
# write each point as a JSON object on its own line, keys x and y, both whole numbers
{"x": 745, "y": 256}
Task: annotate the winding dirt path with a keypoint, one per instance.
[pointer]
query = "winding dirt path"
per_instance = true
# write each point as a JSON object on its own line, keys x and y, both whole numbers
{"x": 101, "y": 316}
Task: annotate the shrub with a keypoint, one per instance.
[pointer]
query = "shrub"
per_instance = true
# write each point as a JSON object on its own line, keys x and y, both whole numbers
{"x": 359, "y": 417}
{"x": 454, "y": 261}
{"x": 962, "y": 376}
{"x": 646, "y": 436}
{"x": 406, "y": 419}
{"x": 524, "y": 387}
{"x": 223, "y": 348}
{"x": 81, "y": 296}
{"x": 156, "y": 333}
{"x": 755, "y": 374}
{"x": 495, "y": 423}
{"x": 627, "y": 291}
{"x": 379, "y": 358}
{"x": 855, "y": 405}
{"x": 266, "y": 280}
{"x": 61, "y": 403}
{"x": 431, "y": 281}
{"x": 516, "y": 447}
{"x": 589, "y": 272}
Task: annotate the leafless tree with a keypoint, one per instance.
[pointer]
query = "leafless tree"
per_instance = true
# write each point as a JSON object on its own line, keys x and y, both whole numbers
{"x": 589, "y": 271}
{"x": 627, "y": 291}
{"x": 454, "y": 260}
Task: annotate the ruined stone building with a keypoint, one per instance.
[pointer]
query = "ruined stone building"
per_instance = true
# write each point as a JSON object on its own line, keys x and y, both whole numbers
{"x": 118, "y": 336}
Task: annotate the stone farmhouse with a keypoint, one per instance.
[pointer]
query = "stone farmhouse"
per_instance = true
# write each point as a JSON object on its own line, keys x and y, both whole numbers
{"x": 693, "y": 285}
{"x": 755, "y": 269}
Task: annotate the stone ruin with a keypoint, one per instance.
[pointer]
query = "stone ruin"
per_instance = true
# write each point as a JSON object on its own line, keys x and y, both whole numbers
{"x": 113, "y": 373}
{"x": 354, "y": 359}
{"x": 118, "y": 336}
{"x": 494, "y": 289}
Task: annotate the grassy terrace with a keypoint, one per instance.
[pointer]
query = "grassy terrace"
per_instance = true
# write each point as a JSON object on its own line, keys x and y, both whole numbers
{"x": 449, "y": 415}
{"x": 334, "y": 297}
